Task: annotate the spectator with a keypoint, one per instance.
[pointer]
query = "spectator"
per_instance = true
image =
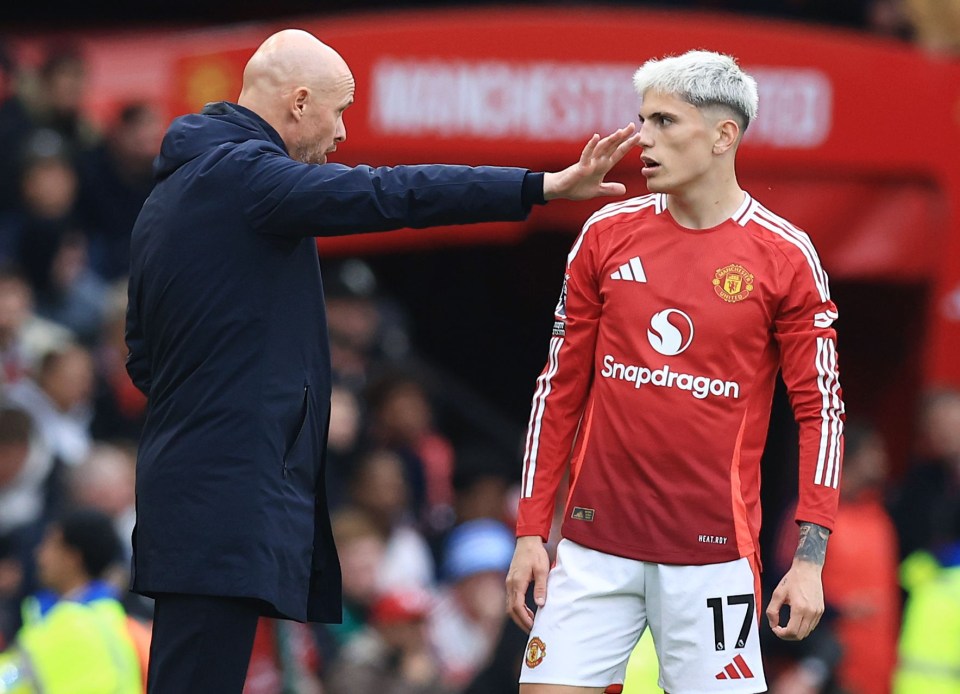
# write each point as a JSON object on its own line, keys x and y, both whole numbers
{"x": 24, "y": 336}
{"x": 58, "y": 98}
{"x": 392, "y": 655}
{"x": 48, "y": 192}
{"x": 929, "y": 650}
{"x": 30, "y": 494}
{"x": 379, "y": 488}
{"x": 502, "y": 671}
{"x": 402, "y": 421}
{"x": 48, "y": 243}
{"x": 889, "y": 18}
{"x": 354, "y": 320}
{"x": 284, "y": 659}
{"x": 119, "y": 406}
{"x": 104, "y": 480}
{"x": 930, "y": 489}
{"x": 343, "y": 438}
{"x": 76, "y": 638}
{"x": 115, "y": 179}
{"x": 861, "y": 576}
{"x": 15, "y": 124}
{"x": 60, "y": 401}
{"x": 481, "y": 485}
{"x": 937, "y": 23}
{"x": 467, "y": 620}
{"x": 361, "y": 547}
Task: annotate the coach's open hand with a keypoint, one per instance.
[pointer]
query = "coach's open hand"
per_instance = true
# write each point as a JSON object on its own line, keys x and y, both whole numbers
{"x": 530, "y": 563}
{"x": 584, "y": 180}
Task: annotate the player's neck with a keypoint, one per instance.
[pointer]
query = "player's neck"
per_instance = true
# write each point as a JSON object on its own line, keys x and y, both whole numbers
{"x": 704, "y": 207}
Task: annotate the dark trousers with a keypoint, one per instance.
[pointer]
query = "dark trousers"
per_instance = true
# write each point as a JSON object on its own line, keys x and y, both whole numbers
{"x": 201, "y": 644}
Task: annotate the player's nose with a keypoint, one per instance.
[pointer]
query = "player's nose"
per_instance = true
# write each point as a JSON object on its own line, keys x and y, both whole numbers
{"x": 646, "y": 136}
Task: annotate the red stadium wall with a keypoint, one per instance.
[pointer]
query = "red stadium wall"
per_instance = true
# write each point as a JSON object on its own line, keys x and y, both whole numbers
{"x": 857, "y": 139}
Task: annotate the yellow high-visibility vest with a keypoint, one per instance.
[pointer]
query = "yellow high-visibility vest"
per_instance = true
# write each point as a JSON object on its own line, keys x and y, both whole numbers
{"x": 75, "y": 648}
{"x": 929, "y": 649}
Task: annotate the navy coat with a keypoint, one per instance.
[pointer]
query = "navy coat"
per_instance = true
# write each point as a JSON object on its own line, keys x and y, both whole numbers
{"x": 227, "y": 335}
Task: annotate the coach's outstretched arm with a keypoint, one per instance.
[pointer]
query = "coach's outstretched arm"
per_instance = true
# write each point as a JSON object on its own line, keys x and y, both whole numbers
{"x": 286, "y": 197}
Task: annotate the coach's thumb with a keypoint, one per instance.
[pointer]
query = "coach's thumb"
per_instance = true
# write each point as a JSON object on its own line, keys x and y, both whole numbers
{"x": 613, "y": 189}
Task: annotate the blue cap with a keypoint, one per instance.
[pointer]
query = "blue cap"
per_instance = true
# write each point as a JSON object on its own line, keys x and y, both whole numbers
{"x": 477, "y": 546}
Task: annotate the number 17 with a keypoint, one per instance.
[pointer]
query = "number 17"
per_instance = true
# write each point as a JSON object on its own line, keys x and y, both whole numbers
{"x": 716, "y": 604}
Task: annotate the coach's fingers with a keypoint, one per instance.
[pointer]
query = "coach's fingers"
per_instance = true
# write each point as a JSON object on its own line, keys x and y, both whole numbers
{"x": 608, "y": 146}
{"x": 586, "y": 156}
{"x": 621, "y": 151}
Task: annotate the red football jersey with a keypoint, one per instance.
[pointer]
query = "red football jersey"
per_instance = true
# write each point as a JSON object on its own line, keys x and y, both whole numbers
{"x": 658, "y": 386}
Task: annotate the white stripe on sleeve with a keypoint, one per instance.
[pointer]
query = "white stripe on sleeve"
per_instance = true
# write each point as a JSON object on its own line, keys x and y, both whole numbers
{"x": 831, "y": 426}
{"x": 544, "y": 386}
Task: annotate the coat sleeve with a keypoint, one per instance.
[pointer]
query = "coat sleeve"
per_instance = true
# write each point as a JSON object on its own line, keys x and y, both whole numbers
{"x": 138, "y": 361}
{"x": 562, "y": 389}
{"x": 808, "y": 362}
{"x": 289, "y": 198}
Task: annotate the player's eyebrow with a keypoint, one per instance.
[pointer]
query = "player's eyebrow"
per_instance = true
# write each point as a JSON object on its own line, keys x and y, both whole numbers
{"x": 659, "y": 114}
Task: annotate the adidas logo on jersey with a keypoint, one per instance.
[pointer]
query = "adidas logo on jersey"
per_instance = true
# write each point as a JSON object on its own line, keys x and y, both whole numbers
{"x": 632, "y": 271}
{"x": 736, "y": 670}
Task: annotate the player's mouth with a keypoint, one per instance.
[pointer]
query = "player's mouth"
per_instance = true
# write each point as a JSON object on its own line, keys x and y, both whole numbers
{"x": 650, "y": 166}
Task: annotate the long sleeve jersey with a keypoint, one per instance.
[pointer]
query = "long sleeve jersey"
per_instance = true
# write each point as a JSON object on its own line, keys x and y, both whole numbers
{"x": 658, "y": 386}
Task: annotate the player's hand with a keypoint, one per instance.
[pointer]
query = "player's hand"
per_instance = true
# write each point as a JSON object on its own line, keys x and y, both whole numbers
{"x": 584, "y": 180}
{"x": 530, "y": 563}
{"x": 802, "y": 590}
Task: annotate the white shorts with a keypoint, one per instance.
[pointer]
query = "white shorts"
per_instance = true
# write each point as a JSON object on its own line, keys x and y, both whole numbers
{"x": 704, "y": 621}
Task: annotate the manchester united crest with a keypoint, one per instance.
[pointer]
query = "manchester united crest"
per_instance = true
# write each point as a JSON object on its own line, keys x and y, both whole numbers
{"x": 536, "y": 650}
{"x": 733, "y": 283}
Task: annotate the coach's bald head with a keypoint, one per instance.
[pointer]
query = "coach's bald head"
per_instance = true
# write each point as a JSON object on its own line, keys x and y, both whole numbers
{"x": 301, "y": 87}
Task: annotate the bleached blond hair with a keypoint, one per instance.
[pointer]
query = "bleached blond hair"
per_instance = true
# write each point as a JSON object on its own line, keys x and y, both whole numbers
{"x": 702, "y": 79}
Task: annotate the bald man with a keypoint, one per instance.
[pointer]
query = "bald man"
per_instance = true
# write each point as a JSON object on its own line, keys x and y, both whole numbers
{"x": 227, "y": 334}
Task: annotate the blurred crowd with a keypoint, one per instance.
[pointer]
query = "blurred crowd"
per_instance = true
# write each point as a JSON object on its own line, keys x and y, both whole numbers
{"x": 423, "y": 520}
{"x": 934, "y": 24}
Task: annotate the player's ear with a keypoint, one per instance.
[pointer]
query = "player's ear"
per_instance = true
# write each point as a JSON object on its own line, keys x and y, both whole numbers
{"x": 726, "y": 134}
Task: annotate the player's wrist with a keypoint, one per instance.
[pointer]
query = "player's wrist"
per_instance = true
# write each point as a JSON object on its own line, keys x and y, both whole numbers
{"x": 807, "y": 566}
{"x": 529, "y": 539}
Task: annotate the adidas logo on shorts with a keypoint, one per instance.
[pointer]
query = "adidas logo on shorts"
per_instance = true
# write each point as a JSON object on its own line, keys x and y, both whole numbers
{"x": 736, "y": 670}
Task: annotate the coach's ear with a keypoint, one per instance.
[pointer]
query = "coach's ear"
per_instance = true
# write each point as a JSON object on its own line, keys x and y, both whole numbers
{"x": 726, "y": 134}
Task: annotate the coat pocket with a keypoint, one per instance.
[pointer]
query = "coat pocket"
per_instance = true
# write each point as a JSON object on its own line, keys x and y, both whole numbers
{"x": 301, "y": 426}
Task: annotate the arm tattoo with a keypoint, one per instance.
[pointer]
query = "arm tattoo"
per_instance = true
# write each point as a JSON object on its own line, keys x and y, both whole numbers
{"x": 813, "y": 543}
